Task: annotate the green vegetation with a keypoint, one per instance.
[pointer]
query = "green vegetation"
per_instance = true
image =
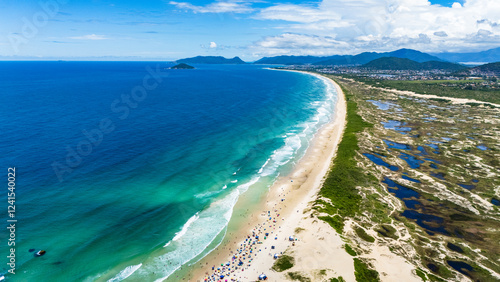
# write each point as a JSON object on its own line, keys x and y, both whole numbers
{"x": 335, "y": 221}
{"x": 283, "y": 263}
{"x": 182, "y": 66}
{"x": 340, "y": 279}
{"x": 363, "y": 273}
{"x": 340, "y": 184}
{"x": 298, "y": 277}
{"x": 322, "y": 272}
{"x": 349, "y": 250}
{"x": 421, "y": 274}
{"x": 393, "y": 63}
{"x": 387, "y": 230}
{"x": 363, "y": 235}
{"x": 468, "y": 89}
{"x": 298, "y": 230}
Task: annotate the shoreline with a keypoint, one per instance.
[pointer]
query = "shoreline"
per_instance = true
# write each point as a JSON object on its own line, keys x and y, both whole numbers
{"x": 279, "y": 211}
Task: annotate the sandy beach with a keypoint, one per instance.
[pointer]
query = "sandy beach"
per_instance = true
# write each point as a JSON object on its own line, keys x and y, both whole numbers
{"x": 281, "y": 212}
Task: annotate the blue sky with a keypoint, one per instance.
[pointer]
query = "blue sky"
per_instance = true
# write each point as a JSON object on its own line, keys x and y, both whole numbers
{"x": 168, "y": 30}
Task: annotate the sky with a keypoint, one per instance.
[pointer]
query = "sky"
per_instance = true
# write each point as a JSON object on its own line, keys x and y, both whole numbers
{"x": 250, "y": 29}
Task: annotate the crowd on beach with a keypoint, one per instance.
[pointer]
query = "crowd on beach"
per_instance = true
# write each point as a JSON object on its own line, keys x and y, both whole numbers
{"x": 241, "y": 259}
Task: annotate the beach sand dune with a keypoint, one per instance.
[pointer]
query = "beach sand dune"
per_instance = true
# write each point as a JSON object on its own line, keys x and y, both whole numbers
{"x": 285, "y": 213}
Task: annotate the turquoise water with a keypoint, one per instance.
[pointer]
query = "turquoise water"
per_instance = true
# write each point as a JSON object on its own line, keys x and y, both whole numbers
{"x": 129, "y": 169}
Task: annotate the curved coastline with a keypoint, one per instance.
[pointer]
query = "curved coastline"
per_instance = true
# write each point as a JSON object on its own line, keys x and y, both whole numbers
{"x": 289, "y": 196}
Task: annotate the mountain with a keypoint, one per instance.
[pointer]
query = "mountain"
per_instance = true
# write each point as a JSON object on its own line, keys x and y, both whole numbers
{"x": 359, "y": 59}
{"x": 488, "y": 56}
{"x": 394, "y": 63}
{"x": 366, "y": 57}
{"x": 486, "y": 69}
{"x": 290, "y": 60}
{"x": 182, "y": 66}
{"x": 211, "y": 60}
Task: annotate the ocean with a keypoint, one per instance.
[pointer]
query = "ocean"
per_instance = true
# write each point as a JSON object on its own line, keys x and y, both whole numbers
{"x": 129, "y": 170}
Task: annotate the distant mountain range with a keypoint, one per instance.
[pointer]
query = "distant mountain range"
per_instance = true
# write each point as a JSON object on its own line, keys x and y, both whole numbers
{"x": 424, "y": 61}
{"x": 211, "y": 60}
{"x": 393, "y": 63}
{"x": 488, "y": 56}
{"x": 359, "y": 59}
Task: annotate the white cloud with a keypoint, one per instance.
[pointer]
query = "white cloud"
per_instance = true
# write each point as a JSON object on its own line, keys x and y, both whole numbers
{"x": 90, "y": 37}
{"x": 372, "y": 25}
{"x": 213, "y": 45}
{"x": 216, "y": 7}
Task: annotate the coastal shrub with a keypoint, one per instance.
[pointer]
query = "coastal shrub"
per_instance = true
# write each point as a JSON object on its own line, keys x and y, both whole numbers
{"x": 298, "y": 277}
{"x": 363, "y": 273}
{"x": 421, "y": 274}
{"x": 349, "y": 250}
{"x": 342, "y": 180}
{"x": 363, "y": 235}
{"x": 386, "y": 230}
{"x": 335, "y": 221}
{"x": 298, "y": 230}
{"x": 283, "y": 263}
{"x": 322, "y": 272}
{"x": 339, "y": 279}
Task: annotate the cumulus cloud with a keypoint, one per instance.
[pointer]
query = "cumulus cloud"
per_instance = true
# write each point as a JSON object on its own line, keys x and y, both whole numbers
{"x": 216, "y": 7}
{"x": 90, "y": 37}
{"x": 213, "y": 45}
{"x": 386, "y": 25}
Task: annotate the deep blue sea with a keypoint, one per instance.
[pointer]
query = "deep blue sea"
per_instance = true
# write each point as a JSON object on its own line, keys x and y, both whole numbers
{"x": 130, "y": 169}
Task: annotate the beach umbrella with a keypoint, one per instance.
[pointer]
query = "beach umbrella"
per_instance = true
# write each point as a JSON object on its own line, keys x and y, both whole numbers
{"x": 290, "y": 238}
{"x": 262, "y": 277}
{"x": 276, "y": 256}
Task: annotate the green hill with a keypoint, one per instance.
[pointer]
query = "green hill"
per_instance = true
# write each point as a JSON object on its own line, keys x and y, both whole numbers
{"x": 182, "y": 66}
{"x": 393, "y": 63}
{"x": 211, "y": 60}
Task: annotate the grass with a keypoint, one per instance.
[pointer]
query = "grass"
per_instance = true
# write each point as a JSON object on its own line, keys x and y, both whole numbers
{"x": 363, "y": 235}
{"x": 454, "y": 89}
{"x": 335, "y": 221}
{"x": 349, "y": 250}
{"x": 421, "y": 274}
{"x": 298, "y": 277}
{"x": 298, "y": 230}
{"x": 342, "y": 180}
{"x": 283, "y": 263}
{"x": 387, "y": 230}
{"x": 363, "y": 273}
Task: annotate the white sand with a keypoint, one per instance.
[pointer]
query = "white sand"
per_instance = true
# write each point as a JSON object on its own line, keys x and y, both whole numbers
{"x": 318, "y": 246}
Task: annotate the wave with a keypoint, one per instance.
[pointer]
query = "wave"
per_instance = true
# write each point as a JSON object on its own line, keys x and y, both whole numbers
{"x": 129, "y": 270}
{"x": 200, "y": 231}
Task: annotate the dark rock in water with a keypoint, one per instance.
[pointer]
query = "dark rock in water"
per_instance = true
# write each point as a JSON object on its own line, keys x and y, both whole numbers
{"x": 455, "y": 248}
{"x": 31, "y": 250}
{"x": 57, "y": 263}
